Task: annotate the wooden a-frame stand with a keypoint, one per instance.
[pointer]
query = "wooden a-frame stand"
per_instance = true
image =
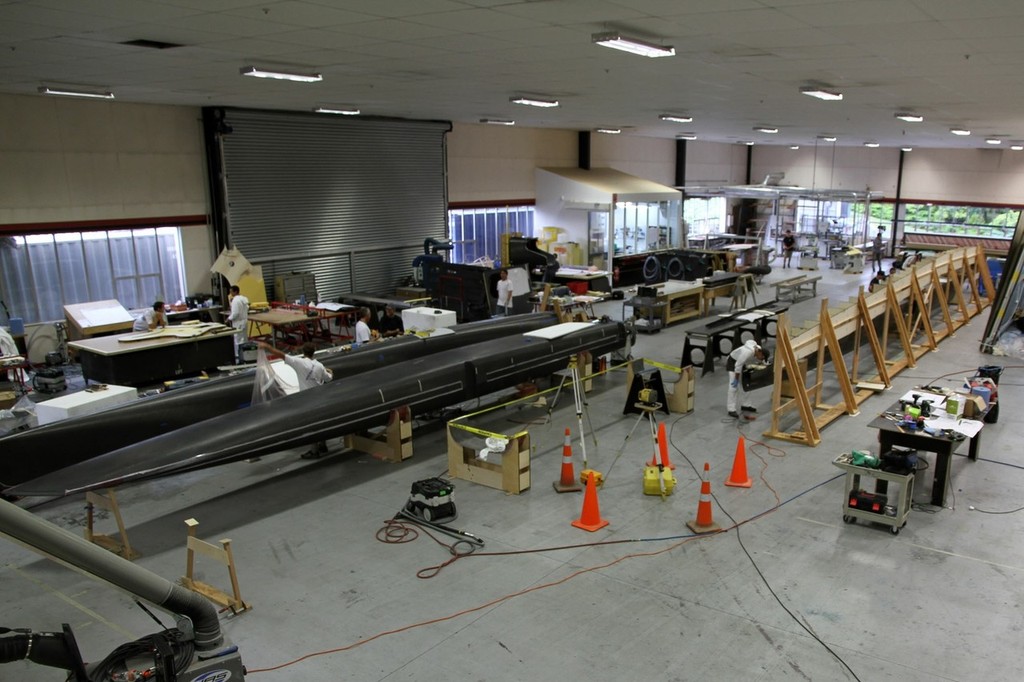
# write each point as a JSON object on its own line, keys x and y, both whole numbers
{"x": 109, "y": 502}
{"x": 911, "y": 303}
{"x": 221, "y": 554}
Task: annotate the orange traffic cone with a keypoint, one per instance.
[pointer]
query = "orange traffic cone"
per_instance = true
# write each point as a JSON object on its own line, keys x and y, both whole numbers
{"x": 704, "y": 523}
{"x": 590, "y": 518}
{"x": 738, "y": 478}
{"x": 567, "y": 483}
{"x": 663, "y": 448}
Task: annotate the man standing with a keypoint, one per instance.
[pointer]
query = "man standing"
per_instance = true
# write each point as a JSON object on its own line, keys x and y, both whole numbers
{"x": 876, "y": 251}
{"x": 391, "y": 324}
{"x": 363, "y": 327}
{"x": 738, "y": 359}
{"x": 151, "y": 319}
{"x": 504, "y": 293}
{"x": 788, "y": 246}
{"x": 239, "y": 316}
{"x": 309, "y": 372}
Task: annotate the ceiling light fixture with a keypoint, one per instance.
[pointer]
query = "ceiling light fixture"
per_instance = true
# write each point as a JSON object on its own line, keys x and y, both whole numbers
{"x": 498, "y": 121}
{"x": 908, "y": 117}
{"x": 822, "y": 93}
{"x": 749, "y": 143}
{"x": 609, "y": 131}
{"x": 686, "y": 136}
{"x": 993, "y": 140}
{"x": 296, "y": 76}
{"x": 794, "y": 146}
{"x": 534, "y": 102}
{"x": 676, "y": 118}
{"x": 960, "y": 131}
{"x": 906, "y": 149}
{"x": 1017, "y": 147}
{"x": 346, "y": 111}
{"x": 72, "y": 92}
{"x": 617, "y": 41}
{"x": 871, "y": 144}
{"x": 827, "y": 138}
{"x": 765, "y": 129}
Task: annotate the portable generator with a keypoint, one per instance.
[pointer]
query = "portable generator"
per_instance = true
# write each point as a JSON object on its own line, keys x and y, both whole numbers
{"x": 49, "y": 380}
{"x": 432, "y": 500}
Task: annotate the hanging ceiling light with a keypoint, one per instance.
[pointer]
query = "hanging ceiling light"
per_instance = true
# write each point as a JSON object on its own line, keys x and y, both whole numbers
{"x": 534, "y": 101}
{"x": 676, "y": 118}
{"x": 908, "y": 117}
{"x": 871, "y": 144}
{"x": 827, "y": 138}
{"x": 276, "y": 74}
{"x": 993, "y": 140}
{"x": 1017, "y": 147}
{"x": 749, "y": 143}
{"x": 498, "y": 121}
{"x": 794, "y": 146}
{"x": 822, "y": 93}
{"x": 617, "y": 41}
{"x": 766, "y": 129}
{"x": 609, "y": 131}
{"x": 906, "y": 149}
{"x": 686, "y": 136}
{"x": 960, "y": 131}
{"x": 75, "y": 92}
{"x": 343, "y": 111}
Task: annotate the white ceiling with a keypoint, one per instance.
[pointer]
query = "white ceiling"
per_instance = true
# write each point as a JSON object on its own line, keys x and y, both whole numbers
{"x": 739, "y": 63}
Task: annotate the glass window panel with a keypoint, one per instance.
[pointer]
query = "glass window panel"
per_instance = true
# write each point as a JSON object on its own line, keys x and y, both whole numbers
{"x": 147, "y": 257}
{"x": 74, "y": 283}
{"x": 126, "y": 291}
{"x": 122, "y": 252}
{"x": 100, "y": 274}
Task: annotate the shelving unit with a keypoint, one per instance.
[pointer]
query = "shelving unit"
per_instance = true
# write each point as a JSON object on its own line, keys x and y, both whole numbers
{"x": 892, "y": 515}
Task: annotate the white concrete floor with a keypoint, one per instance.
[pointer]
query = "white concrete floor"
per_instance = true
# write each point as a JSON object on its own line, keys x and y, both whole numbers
{"x": 788, "y": 592}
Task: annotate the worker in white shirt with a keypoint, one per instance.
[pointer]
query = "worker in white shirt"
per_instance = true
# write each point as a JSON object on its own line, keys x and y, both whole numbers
{"x": 151, "y": 319}
{"x": 504, "y": 293}
{"x": 239, "y": 316}
{"x": 738, "y": 359}
{"x": 363, "y": 334}
{"x": 309, "y": 372}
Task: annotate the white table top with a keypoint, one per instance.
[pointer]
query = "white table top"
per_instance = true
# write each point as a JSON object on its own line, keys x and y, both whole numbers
{"x": 112, "y": 345}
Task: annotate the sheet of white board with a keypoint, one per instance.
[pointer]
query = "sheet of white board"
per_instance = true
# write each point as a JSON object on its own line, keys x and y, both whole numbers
{"x": 558, "y": 330}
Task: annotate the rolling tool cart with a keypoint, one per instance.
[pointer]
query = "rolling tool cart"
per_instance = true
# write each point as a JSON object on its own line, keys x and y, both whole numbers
{"x": 883, "y": 506}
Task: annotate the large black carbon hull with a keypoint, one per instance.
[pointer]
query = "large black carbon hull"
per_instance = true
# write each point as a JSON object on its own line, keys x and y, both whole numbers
{"x": 29, "y": 454}
{"x": 332, "y": 410}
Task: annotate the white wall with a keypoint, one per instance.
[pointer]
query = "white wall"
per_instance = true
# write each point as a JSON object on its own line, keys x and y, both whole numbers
{"x": 715, "y": 163}
{"x": 645, "y": 157}
{"x": 981, "y": 175}
{"x": 64, "y": 160}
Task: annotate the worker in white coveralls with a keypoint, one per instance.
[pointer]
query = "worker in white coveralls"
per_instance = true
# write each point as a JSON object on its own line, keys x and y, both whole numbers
{"x": 738, "y": 359}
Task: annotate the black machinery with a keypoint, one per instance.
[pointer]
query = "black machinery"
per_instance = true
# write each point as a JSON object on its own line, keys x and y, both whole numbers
{"x": 49, "y": 380}
{"x": 523, "y": 251}
{"x": 432, "y": 500}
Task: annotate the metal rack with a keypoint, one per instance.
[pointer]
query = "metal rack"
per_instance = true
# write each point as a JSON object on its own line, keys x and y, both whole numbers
{"x": 892, "y": 515}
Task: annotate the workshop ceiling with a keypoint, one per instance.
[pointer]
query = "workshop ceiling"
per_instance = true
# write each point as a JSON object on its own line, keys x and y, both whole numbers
{"x": 739, "y": 64}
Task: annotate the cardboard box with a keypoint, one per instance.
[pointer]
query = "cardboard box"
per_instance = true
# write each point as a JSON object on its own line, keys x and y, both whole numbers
{"x": 974, "y": 405}
{"x": 7, "y": 399}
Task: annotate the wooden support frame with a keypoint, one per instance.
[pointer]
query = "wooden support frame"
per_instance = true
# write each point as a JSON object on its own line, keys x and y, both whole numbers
{"x": 513, "y": 473}
{"x": 220, "y": 554}
{"x": 108, "y": 501}
{"x": 393, "y": 444}
{"x": 904, "y": 306}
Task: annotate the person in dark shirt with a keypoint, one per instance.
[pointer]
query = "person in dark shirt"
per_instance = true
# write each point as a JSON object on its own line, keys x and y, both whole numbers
{"x": 878, "y": 279}
{"x": 390, "y": 324}
{"x": 788, "y": 246}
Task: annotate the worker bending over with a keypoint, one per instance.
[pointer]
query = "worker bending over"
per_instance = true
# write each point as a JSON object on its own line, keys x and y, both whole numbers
{"x": 738, "y": 359}
{"x": 151, "y": 319}
{"x": 309, "y": 372}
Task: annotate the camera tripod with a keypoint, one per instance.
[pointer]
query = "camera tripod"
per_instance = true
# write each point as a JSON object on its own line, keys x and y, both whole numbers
{"x": 580, "y": 399}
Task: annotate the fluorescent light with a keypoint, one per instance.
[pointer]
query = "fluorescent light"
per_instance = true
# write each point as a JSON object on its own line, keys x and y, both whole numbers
{"x": 643, "y": 48}
{"x": 960, "y": 131}
{"x": 794, "y": 146}
{"x": 906, "y": 149}
{"x": 821, "y": 93}
{"x": 342, "y": 112}
{"x": 1017, "y": 147}
{"x": 676, "y": 118}
{"x": 686, "y": 136}
{"x": 71, "y": 92}
{"x": 764, "y": 129}
{"x": 609, "y": 131}
{"x": 257, "y": 72}
{"x": 908, "y": 117}
{"x": 749, "y": 143}
{"x": 871, "y": 144}
{"x": 534, "y": 102}
{"x": 827, "y": 138}
{"x": 993, "y": 140}
{"x": 498, "y": 121}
